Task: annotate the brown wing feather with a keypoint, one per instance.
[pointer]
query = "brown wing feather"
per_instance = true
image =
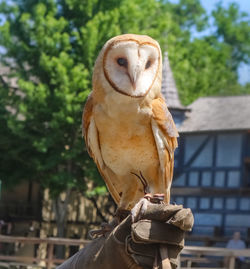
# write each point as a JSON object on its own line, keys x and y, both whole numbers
{"x": 108, "y": 176}
{"x": 163, "y": 118}
{"x": 169, "y": 133}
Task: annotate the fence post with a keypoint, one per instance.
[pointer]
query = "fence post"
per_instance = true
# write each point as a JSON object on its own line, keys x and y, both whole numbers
{"x": 231, "y": 262}
{"x": 50, "y": 255}
{"x": 179, "y": 262}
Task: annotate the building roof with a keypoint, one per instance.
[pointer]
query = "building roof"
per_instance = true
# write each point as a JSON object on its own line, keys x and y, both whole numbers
{"x": 168, "y": 88}
{"x": 217, "y": 114}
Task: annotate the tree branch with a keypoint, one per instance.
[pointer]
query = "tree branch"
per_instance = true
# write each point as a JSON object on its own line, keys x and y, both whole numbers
{"x": 98, "y": 211}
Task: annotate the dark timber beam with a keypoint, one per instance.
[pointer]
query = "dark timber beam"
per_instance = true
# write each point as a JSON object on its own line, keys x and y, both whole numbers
{"x": 211, "y": 191}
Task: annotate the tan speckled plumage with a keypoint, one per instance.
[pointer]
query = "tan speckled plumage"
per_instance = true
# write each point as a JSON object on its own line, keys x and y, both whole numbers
{"x": 128, "y": 131}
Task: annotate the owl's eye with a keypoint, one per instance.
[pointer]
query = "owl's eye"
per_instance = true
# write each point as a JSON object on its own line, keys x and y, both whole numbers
{"x": 148, "y": 64}
{"x": 122, "y": 62}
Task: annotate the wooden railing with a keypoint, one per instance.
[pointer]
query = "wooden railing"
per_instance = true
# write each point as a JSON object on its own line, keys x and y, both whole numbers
{"x": 198, "y": 254}
{"x": 50, "y": 261}
{"x": 210, "y": 240}
{"x": 189, "y": 254}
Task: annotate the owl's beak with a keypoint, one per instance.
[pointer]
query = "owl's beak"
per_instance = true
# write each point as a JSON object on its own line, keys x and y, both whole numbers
{"x": 134, "y": 73}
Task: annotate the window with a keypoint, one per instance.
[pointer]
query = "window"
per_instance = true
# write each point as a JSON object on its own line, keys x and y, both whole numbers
{"x": 238, "y": 220}
{"x": 231, "y": 203}
{"x": 207, "y": 219}
{"x": 179, "y": 200}
{"x": 219, "y": 180}
{"x": 245, "y": 204}
{"x": 180, "y": 181}
{"x": 192, "y": 144}
{"x": 229, "y": 150}
{"x": 193, "y": 179}
{"x": 205, "y": 157}
{"x": 204, "y": 203}
{"x": 192, "y": 202}
{"x": 233, "y": 179}
{"x": 217, "y": 203}
{"x": 206, "y": 180}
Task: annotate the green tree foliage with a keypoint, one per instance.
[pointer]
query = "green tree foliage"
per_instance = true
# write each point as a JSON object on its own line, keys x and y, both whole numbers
{"x": 51, "y": 46}
{"x": 233, "y": 29}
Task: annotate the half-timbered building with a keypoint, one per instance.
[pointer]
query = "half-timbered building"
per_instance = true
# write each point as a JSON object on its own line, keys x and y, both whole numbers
{"x": 212, "y": 162}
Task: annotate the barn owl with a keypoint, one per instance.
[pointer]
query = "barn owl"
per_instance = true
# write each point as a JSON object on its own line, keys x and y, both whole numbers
{"x": 127, "y": 127}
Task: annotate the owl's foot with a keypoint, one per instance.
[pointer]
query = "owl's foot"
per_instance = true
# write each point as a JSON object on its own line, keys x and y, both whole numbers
{"x": 157, "y": 198}
{"x": 140, "y": 208}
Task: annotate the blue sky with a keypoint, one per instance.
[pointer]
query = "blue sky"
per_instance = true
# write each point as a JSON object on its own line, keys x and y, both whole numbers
{"x": 209, "y": 4}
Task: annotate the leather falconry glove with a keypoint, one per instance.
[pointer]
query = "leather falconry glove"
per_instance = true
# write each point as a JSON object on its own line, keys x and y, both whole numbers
{"x": 159, "y": 233}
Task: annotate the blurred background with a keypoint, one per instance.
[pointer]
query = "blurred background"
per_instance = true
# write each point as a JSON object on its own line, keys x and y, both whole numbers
{"x": 48, "y": 184}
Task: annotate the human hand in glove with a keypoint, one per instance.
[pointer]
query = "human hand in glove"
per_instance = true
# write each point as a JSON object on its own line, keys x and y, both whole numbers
{"x": 153, "y": 241}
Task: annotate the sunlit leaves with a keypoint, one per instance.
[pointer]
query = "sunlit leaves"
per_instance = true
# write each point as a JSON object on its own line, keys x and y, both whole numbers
{"x": 233, "y": 27}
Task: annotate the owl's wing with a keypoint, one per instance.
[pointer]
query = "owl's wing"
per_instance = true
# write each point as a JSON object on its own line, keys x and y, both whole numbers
{"x": 165, "y": 134}
{"x": 91, "y": 136}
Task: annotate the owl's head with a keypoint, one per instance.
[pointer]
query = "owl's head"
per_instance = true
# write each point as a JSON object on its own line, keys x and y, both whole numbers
{"x": 130, "y": 64}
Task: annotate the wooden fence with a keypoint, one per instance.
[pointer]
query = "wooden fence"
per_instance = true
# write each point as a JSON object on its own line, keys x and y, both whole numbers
{"x": 189, "y": 255}
{"x": 198, "y": 254}
{"x": 50, "y": 261}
